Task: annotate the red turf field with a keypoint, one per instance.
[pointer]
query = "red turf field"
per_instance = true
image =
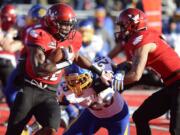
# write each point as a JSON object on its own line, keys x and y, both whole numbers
{"x": 134, "y": 98}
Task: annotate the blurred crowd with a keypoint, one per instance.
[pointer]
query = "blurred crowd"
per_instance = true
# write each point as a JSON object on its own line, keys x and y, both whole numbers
{"x": 170, "y": 13}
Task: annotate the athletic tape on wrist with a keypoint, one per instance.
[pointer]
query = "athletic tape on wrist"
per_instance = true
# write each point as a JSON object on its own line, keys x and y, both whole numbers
{"x": 63, "y": 64}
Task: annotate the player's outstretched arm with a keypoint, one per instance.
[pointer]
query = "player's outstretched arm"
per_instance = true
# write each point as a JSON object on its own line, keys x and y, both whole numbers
{"x": 85, "y": 63}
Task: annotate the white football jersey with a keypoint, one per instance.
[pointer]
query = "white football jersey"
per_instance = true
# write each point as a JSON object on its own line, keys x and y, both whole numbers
{"x": 93, "y": 48}
{"x": 103, "y": 105}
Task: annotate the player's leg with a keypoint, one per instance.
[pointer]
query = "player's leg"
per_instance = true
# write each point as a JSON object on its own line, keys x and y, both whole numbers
{"x": 119, "y": 124}
{"x": 84, "y": 125}
{"x": 175, "y": 110}
{"x": 20, "y": 112}
{"x": 154, "y": 106}
{"x": 47, "y": 113}
{"x": 72, "y": 111}
{"x": 64, "y": 117}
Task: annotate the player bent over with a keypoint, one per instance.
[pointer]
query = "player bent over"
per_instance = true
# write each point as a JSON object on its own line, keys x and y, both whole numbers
{"x": 105, "y": 107}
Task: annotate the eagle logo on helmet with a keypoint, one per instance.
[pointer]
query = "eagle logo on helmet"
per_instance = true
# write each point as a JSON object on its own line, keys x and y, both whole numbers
{"x": 52, "y": 14}
{"x": 134, "y": 18}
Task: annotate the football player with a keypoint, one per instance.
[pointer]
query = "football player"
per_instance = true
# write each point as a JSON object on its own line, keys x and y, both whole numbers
{"x": 147, "y": 48}
{"x": 35, "y": 14}
{"x": 92, "y": 44}
{"x": 105, "y": 107}
{"x": 51, "y": 46}
{"x": 9, "y": 45}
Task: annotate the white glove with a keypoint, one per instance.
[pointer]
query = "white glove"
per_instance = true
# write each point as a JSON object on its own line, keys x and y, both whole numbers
{"x": 117, "y": 82}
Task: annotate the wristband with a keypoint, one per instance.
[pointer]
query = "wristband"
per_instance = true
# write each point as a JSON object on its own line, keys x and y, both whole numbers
{"x": 63, "y": 64}
{"x": 96, "y": 70}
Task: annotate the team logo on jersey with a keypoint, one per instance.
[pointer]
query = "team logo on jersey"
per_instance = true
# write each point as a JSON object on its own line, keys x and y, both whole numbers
{"x": 34, "y": 34}
{"x": 52, "y": 44}
{"x": 137, "y": 40}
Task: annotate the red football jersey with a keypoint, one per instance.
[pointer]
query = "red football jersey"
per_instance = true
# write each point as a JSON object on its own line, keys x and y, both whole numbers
{"x": 164, "y": 60}
{"x": 40, "y": 37}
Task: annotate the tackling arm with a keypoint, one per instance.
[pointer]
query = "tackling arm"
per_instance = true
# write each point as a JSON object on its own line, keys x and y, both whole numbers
{"x": 83, "y": 62}
{"x": 138, "y": 63}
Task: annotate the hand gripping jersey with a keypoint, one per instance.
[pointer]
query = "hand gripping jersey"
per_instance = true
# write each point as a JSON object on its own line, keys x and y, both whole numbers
{"x": 164, "y": 60}
{"x": 40, "y": 37}
{"x": 105, "y": 104}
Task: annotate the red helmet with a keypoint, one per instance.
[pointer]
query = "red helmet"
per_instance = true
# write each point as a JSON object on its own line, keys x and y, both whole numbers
{"x": 61, "y": 21}
{"x": 8, "y": 16}
{"x": 130, "y": 20}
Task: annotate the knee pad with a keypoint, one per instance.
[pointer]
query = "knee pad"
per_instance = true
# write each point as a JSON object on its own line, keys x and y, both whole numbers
{"x": 46, "y": 131}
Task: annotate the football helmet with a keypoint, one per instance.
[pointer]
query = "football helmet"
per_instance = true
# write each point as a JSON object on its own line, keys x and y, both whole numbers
{"x": 35, "y": 13}
{"x": 100, "y": 15}
{"x": 8, "y": 16}
{"x": 61, "y": 21}
{"x": 129, "y": 21}
{"x": 77, "y": 79}
{"x": 86, "y": 28}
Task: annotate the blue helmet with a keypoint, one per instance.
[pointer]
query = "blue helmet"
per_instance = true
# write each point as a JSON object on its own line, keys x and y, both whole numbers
{"x": 37, "y": 11}
{"x": 87, "y": 24}
{"x": 77, "y": 79}
{"x": 86, "y": 29}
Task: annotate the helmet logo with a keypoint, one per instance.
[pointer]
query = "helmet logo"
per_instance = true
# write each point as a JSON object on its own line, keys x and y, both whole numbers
{"x": 134, "y": 18}
{"x": 52, "y": 14}
{"x": 42, "y": 12}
